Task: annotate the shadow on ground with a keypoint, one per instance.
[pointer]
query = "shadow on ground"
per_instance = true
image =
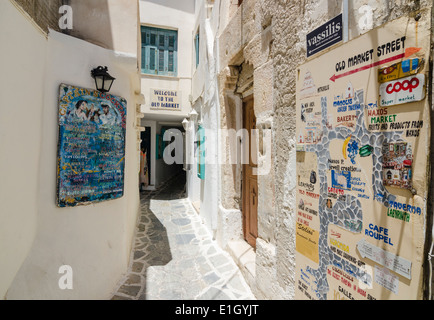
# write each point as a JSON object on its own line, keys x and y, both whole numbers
{"x": 175, "y": 256}
{"x": 151, "y": 244}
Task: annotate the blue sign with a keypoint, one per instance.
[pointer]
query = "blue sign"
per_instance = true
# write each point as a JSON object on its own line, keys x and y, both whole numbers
{"x": 341, "y": 179}
{"x": 91, "y": 149}
{"x": 325, "y": 36}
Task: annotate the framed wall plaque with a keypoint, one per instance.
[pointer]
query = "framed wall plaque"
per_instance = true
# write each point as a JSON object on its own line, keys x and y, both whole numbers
{"x": 91, "y": 146}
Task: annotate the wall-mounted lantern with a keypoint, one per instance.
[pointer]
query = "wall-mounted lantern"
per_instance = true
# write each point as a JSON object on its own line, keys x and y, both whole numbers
{"x": 103, "y": 80}
{"x": 193, "y": 115}
{"x": 185, "y": 124}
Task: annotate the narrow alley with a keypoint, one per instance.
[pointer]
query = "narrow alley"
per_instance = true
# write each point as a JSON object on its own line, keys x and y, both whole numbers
{"x": 216, "y": 150}
{"x": 174, "y": 256}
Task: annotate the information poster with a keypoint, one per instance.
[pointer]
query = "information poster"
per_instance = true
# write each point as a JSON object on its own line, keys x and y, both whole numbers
{"x": 91, "y": 146}
{"x": 362, "y": 165}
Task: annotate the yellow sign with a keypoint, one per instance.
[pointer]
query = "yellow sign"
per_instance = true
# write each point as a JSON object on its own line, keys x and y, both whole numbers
{"x": 400, "y": 70}
{"x": 307, "y": 242}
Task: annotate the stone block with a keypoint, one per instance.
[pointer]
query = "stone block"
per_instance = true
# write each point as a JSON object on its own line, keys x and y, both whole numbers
{"x": 266, "y": 278}
{"x": 263, "y": 88}
{"x": 229, "y": 226}
{"x": 244, "y": 256}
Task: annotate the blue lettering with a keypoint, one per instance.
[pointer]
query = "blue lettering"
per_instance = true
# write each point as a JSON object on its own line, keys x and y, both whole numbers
{"x": 405, "y": 207}
{"x": 378, "y": 233}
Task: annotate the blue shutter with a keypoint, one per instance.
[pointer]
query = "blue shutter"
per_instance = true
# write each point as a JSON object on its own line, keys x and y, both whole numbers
{"x": 170, "y": 53}
{"x": 144, "y": 57}
{"x": 153, "y": 40}
{"x": 201, "y": 151}
{"x": 162, "y": 53}
{"x": 152, "y": 60}
{"x": 196, "y": 45}
{"x": 171, "y": 62}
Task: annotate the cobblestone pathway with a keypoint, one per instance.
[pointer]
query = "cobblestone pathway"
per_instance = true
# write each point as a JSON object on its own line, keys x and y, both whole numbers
{"x": 174, "y": 256}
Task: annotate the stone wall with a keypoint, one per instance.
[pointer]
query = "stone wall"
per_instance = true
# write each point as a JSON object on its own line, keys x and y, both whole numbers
{"x": 288, "y": 51}
{"x": 271, "y": 36}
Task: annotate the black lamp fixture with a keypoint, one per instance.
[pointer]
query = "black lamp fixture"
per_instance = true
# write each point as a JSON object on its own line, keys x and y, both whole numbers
{"x": 103, "y": 80}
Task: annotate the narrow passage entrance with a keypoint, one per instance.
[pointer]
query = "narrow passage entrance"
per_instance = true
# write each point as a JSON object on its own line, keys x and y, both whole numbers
{"x": 250, "y": 180}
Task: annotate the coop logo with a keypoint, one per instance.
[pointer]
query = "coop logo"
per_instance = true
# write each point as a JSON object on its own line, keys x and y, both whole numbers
{"x": 401, "y": 91}
{"x": 404, "y": 85}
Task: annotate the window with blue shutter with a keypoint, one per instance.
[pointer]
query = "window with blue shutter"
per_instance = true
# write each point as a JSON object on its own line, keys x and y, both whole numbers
{"x": 159, "y": 51}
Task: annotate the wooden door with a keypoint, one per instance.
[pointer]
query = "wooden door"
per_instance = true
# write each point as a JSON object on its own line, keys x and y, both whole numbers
{"x": 250, "y": 181}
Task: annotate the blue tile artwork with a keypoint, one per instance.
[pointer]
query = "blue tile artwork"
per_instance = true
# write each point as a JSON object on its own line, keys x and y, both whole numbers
{"x": 91, "y": 146}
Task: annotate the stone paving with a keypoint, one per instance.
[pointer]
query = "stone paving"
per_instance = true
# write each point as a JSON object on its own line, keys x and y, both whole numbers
{"x": 174, "y": 256}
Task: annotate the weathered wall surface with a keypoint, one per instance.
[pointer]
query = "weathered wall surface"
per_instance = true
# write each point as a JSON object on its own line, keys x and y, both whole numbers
{"x": 246, "y": 68}
{"x": 271, "y": 35}
{"x": 171, "y": 15}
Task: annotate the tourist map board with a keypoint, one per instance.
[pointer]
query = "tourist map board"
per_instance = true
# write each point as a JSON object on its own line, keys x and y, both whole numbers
{"x": 363, "y": 142}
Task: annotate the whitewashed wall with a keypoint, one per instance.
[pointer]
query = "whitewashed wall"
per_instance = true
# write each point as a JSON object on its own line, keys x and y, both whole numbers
{"x": 22, "y": 61}
{"x": 95, "y": 240}
{"x": 205, "y": 99}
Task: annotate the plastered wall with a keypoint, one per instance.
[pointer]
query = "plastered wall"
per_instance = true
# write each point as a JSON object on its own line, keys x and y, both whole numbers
{"x": 173, "y": 15}
{"x": 95, "y": 240}
{"x": 37, "y": 238}
{"x": 20, "y": 131}
{"x": 107, "y": 23}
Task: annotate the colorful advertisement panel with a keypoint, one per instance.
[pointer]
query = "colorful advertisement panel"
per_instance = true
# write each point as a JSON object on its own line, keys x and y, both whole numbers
{"x": 362, "y": 161}
{"x": 91, "y": 146}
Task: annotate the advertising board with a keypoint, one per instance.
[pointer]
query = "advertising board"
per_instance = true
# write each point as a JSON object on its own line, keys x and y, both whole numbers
{"x": 363, "y": 130}
{"x": 91, "y": 147}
